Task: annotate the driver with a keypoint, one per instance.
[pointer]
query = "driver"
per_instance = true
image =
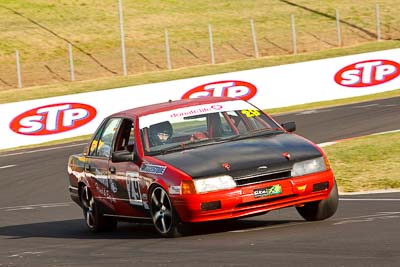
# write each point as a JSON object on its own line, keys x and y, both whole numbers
{"x": 160, "y": 133}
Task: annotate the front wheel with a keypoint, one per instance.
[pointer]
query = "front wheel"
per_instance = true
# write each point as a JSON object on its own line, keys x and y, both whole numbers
{"x": 321, "y": 210}
{"x": 94, "y": 219}
{"x": 164, "y": 216}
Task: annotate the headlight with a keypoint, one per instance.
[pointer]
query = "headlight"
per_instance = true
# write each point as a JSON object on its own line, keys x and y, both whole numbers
{"x": 214, "y": 183}
{"x": 309, "y": 166}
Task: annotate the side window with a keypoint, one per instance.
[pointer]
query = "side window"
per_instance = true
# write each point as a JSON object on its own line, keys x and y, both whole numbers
{"x": 126, "y": 136}
{"x": 101, "y": 147}
{"x": 95, "y": 142}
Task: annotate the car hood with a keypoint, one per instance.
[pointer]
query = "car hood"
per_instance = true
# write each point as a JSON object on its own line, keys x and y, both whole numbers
{"x": 243, "y": 156}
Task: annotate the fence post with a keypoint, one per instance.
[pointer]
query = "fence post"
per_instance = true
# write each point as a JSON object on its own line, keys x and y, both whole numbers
{"x": 122, "y": 35}
{"x": 167, "y": 51}
{"x": 71, "y": 63}
{"x": 294, "y": 35}
{"x": 378, "y": 22}
{"x": 18, "y": 69}
{"x": 339, "y": 34}
{"x": 210, "y": 36}
{"x": 253, "y": 33}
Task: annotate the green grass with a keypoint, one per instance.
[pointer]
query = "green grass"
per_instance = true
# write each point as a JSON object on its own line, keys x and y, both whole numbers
{"x": 367, "y": 163}
{"x": 41, "y": 29}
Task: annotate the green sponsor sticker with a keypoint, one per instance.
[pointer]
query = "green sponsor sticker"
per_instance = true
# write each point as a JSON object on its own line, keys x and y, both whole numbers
{"x": 268, "y": 191}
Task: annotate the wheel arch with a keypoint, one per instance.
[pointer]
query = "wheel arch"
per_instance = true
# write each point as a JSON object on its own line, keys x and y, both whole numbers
{"x": 163, "y": 185}
{"x": 158, "y": 182}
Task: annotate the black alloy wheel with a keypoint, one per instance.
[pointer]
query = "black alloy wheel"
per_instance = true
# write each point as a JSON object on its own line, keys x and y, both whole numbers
{"x": 94, "y": 219}
{"x": 164, "y": 217}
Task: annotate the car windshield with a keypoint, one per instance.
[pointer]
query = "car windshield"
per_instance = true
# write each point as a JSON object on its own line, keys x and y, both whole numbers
{"x": 202, "y": 125}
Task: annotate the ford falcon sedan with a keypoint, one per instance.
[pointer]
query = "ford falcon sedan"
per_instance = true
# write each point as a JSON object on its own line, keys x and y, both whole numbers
{"x": 198, "y": 160}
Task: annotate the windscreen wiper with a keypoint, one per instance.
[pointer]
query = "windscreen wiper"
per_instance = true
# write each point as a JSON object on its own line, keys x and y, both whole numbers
{"x": 255, "y": 133}
{"x": 187, "y": 144}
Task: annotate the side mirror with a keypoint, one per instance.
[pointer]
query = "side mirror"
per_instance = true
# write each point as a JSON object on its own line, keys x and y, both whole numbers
{"x": 122, "y": 156}
{"x": 289, "y": 126}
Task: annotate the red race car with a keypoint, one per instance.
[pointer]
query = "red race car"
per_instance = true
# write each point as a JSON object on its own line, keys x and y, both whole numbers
{"x": 198, "y": 160}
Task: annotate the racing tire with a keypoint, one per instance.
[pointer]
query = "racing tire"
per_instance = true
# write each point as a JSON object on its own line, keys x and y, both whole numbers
{"x": 163, "y": 214}
{"x": 94, "y": 219}
{"x": 321, "y": 210}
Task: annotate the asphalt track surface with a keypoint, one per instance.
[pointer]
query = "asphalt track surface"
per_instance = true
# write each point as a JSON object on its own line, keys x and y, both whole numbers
{"x": 40, "y": 226}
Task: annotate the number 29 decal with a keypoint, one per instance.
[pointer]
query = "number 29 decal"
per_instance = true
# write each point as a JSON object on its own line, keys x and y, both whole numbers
{"x": 133, "y": 188}
{"x": 251, "y": 113}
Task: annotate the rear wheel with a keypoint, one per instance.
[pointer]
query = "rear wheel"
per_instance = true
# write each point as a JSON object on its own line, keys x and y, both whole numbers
{"x": 321, "y": 210}
{"x": 94, "y": 219}
{"x": 164, "y": 216}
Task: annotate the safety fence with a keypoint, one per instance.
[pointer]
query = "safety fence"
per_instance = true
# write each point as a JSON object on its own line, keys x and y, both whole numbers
{"x": 213, "y": 43}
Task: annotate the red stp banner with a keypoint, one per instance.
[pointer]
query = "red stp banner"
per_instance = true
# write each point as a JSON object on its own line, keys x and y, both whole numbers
{"x": 237, "y": 89}
{"x": 52, "y": 119}
{"x": 368, "y": 73}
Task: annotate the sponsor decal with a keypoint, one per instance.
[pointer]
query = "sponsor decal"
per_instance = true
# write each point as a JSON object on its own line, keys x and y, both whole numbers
{"x": 236, "y": 104}
{"x": 368, "y": 73}
{"x": 103, "y": 191}
{"x": 286, "y": 155}
{"x": 102, "y": 179}
{"x": 235, "y": 89}
{"x": 103, "y": 186}
{"x": 174, "y": 189}
{"x": 197, "y": 111}
{"x": 133, "y": 188}
{"x": 226, "y": 166}
{"x": 152, "y": 169}
{"x": 53, "y": 119}
{"x": 268, "y": 191}
{"x": 113, "y": 186}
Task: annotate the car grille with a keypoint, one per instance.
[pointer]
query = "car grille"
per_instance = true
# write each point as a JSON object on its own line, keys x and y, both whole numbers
{"x": 262, "y": 177}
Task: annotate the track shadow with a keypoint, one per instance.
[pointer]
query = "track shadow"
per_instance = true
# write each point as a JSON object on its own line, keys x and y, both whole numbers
{"x": 233, "y": 225}
{"x": 75, "y": 229}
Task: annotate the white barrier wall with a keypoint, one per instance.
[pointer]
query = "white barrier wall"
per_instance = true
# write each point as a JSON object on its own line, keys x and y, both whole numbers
{"x": 42, "y": 120}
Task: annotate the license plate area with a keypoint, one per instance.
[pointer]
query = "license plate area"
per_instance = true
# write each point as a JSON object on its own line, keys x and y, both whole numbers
{"x": 267, "y": 191}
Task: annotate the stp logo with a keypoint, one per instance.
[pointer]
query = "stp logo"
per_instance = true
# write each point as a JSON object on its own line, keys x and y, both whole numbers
{"x": 53, "y": 119}
{"x": 368, "y": 73}
{"x": 237, "y": 89}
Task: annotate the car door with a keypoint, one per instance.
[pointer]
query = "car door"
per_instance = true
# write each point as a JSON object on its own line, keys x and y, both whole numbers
{"x": 127, "y": 186}
{"x": 97, "y": 165}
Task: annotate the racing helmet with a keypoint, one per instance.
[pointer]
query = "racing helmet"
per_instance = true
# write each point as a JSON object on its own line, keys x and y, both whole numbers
{"x": 160, "y": 133}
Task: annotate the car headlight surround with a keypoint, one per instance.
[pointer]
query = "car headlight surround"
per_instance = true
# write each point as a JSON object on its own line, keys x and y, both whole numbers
{"x": 309, "y": 166}
{"x": 216, "y": 183}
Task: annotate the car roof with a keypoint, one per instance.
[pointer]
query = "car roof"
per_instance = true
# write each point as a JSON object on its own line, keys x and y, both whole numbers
{"x": 171, "y": 105}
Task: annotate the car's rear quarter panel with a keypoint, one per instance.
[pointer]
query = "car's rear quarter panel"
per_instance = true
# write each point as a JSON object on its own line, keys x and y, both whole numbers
{"x": 76, "y": 165}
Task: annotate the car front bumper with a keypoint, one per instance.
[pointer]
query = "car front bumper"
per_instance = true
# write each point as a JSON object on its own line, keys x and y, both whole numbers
{"x": 243, "y": 201}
